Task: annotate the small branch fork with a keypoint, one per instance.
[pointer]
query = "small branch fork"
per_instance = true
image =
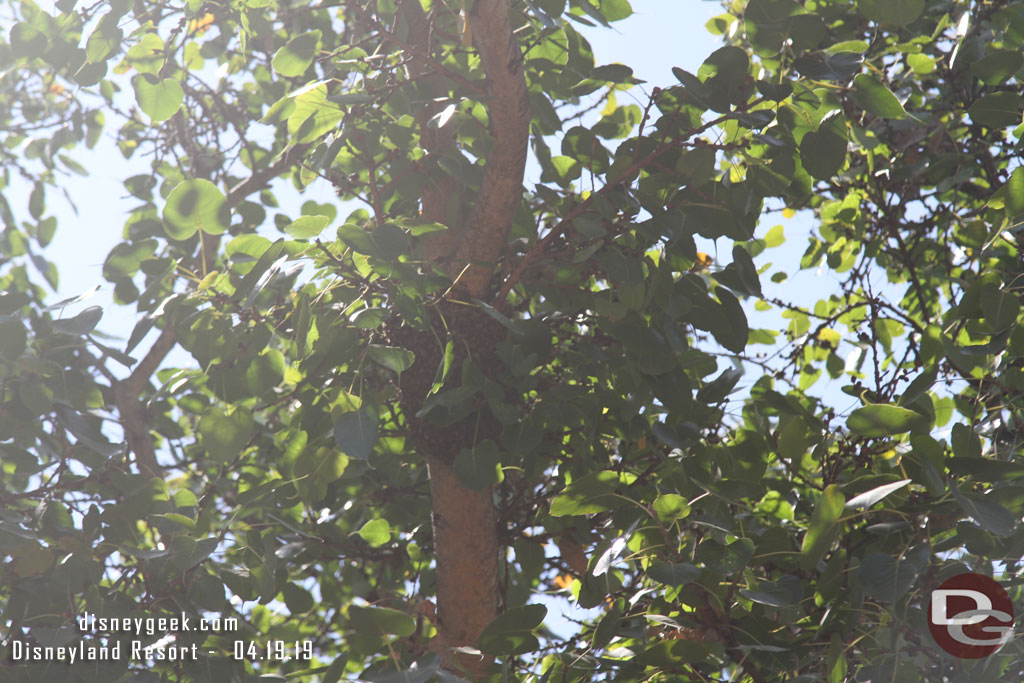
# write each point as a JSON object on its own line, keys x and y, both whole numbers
{"x": 128, "y": 392}
{"x": 559, "y": 228}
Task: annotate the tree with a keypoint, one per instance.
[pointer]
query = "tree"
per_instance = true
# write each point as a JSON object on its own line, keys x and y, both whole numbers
{"x": 391, "y": 423}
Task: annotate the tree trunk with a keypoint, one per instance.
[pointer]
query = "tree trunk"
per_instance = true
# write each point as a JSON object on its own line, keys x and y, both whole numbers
{"x": 465, "y": 521}
{"x": 466, "y": 544}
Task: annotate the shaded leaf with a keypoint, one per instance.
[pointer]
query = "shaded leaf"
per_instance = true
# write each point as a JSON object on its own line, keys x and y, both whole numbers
{"x": 511, "y": 632}
{"x": 887, "y": 578}
{"x": 82, "y": 323}
{"x": 824, "y": 526}
{"x": 586, "y": 495}
{"x": 380, "y": 621}
{"x": 356, "y": 433}
{"x": 678, "y": 574}
{"x": 997, "y": 110}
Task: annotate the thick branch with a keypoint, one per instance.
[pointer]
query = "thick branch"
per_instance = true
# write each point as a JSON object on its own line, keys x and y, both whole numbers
{"x": 132, "y": 410}
{"x": 485, "y": 235}
{"x": 465, "y": 521}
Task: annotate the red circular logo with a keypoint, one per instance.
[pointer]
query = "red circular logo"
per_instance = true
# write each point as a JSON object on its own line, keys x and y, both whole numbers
{"x": 970, "y": 616}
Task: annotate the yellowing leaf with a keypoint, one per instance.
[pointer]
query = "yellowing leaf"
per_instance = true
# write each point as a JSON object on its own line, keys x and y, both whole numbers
{"x": 610, "y": 106}
{"x": 829, "y": 336}
{"x": 201, "y": 24}
{"x": 788, "y": 212}
{"x": 703, "y": 261}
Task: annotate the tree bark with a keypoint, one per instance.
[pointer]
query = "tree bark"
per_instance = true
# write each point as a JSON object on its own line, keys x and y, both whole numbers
{"x": 465, "y": 522}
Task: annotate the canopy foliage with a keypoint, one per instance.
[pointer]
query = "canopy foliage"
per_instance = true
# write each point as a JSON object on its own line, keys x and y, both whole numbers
{"x": 547, "y": 366}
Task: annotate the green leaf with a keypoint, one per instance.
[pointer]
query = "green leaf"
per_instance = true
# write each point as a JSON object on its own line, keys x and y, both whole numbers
{"x": 586, "y": 495}
{"x": 725, "y": 73}
{"x": 195, "y": 205}
{"x": 824, "y": 526}
{"x": 370, "y": 318}
{"x": 823, "y": 152}
{"x": 997, "y": 110}
{"x": 376, "y": 532}
{"x": 671, "y": 507}
{"x": 767, "y": 23}
{"x": 887, "y": 578}
{"x": 873, "y": 96}
{"x": 847, "y": 46}
{"x": 394, "y": 358}
{"x": 1000, "y": 308}
{"x": 381, "y": 621}
{"x": 336, "y": 670}
{"x": 159, "y": 98}
{"x": 269, "y": 256}
{"x": 313, "y": 116}
{"x": 391, "y": 240}
{"x": 81, "y": 324}
{"x": 615, "y": 10}
{"x": 103, "y": 42}
{"x": 990, "y": 515}
{"x": 566, "y": 169}
{"x": 678, "y": 574}
{"x": 997, "y": 66}
{"x": 921, "y": 64}
{"x": 179, "y": 519}
{"x": 306, "y": 227}
{"x": 265, "y": 371}
{"x": 356, "y": 433}
{"x": 965, "y": 442}
{"x": 835, "y": 660}
{"x": 358, "y": 239}
{"x": 444, "y": 366}
{"x": 29, "y": 559}
{"x": 748, "y": 271}
{"x": 899, "y": 12}
{"x": 296, "y": 55}
{"x": 479, "y": 467}
{"x": 1013, "y": 193}
{"x": 511, "y": 633}
{"x": 775, "y": 236}
{"x": 225, "y": 434}
{"x": 717, "y": 389}
{"x": 731, "y": 331}
{"x": 27, "y": 40}
{"x": 880, "y": 420}
{"x": 787, "y": 591}
{"x": 298, "y": 600}
{"x": 920, "y": 386}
